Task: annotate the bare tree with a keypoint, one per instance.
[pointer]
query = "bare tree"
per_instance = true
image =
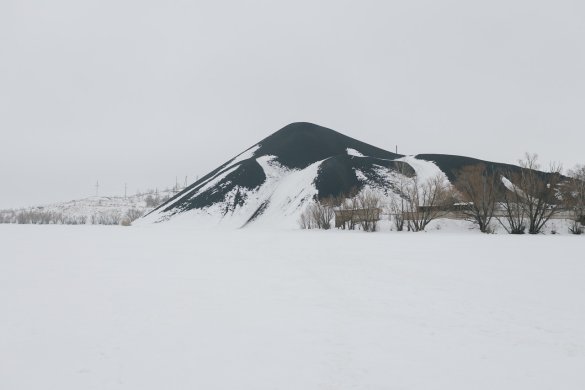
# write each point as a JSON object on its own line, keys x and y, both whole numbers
{"x": 540, "y": 192}
{"x": 573, "y": 192}
{"x": 317, "y": 215}
{"x": 397, "y": 209}
{"x": 322, "y": 212}
{"x": 133, "y": 214}
{"x": 532, "y": 196}
{"x": 398, "y": 204}
{"x": 427, "y": 201}
{"x": 348, "y": 209}
{"x": 478, "y": 189}
{"x": 512, "y": 205}
{"x": 369, "y": 203}
{"x": 152, "y": 201}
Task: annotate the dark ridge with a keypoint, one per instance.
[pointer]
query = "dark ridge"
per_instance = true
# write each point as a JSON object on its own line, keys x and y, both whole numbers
{"x": 452, "y": 164}
{"x": 300, "y": 144}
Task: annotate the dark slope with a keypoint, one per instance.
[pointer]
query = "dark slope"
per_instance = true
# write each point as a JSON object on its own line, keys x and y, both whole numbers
{"x": 451, "y": 164}
{"x": 248, "y": 175}
{"x": 300, "y": 144}
{"x": 337, "y": 174}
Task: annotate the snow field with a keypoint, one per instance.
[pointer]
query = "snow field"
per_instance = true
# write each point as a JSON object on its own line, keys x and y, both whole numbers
{"x": 168, "y": 306}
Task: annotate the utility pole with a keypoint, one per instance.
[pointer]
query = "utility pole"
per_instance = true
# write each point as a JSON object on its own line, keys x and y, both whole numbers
{"x": 97, "y": 187}
{"x": 125, "y": 190}
{"x": 396, "y": 149}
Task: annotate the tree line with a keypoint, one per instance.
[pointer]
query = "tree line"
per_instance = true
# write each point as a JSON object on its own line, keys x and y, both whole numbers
{"x": 520, "y": 199}
{"x": 41, "y": 216}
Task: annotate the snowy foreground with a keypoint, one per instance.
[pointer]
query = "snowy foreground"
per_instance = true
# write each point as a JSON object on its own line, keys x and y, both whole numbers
{"x": 165, "y": 307}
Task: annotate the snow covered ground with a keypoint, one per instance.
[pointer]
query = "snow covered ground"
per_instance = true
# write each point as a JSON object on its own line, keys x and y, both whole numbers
{"x": 172, "y": 307}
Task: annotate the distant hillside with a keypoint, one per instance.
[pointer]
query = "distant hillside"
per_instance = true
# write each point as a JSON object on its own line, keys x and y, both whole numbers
{"x": 96, "y": 210}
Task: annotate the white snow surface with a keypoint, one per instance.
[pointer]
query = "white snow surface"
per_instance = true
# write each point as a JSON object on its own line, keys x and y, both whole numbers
{"x": 168, "y": 307}
{"x": 353, "y": 152}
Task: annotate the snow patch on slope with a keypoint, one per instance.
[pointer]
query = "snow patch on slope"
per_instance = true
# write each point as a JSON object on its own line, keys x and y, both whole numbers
{"x": 360, "y": 175}
{"x": 425, "y": 170}
{"x": 292, "y": 192}
{"x": 214, "y": 181}
{"x": 248, "y": 154}
{"x": 354, "y": 153}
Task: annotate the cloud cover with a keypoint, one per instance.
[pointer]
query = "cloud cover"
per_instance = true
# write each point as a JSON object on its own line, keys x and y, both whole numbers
{"x": 144, "y": 91}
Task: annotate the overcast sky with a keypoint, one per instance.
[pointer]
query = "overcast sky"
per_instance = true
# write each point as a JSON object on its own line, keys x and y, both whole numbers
{"x": 146, "y": 91}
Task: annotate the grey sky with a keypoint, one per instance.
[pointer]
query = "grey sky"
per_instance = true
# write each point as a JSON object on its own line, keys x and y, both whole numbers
{"x": 143, "y": 91}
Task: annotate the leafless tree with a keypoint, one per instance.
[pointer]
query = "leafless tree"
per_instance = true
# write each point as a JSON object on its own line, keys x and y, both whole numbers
{"x": 541, "y": 192}
{"x": 152, "y": 201}
{"x": 573, "y": 191}
{"x": 348, "y": 207}
{"x": 512, "y": 205}
{"x": 397, "y": 210}
{"x": 317, "y": 215}
{"x": 427, "y": 201}
{"x": 369, "y": 204}
{"x": 532, "y": 196}
{"x": 398, "y": 204}
{"x": 133, "y": 214}
{"x": 322, "y": 213}
{"x": 478, "y": 189}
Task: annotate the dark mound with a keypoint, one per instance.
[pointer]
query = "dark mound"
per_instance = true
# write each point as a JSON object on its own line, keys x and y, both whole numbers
{"x": 300, "y": 144}
{"x": 295, "y": 146}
